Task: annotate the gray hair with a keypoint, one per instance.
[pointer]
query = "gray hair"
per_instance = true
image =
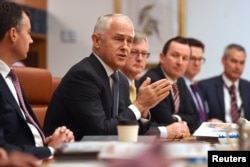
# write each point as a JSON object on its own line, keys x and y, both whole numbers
{"x": 140, "y": 36}
{"x": 104, "y": 22}
{"x": 233, "y": 46}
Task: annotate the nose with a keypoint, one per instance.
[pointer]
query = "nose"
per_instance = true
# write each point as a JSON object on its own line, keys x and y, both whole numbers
{"x": 31, "y": 40}
{"x": 180, "y": 60}
{"x": 139, "y": 57}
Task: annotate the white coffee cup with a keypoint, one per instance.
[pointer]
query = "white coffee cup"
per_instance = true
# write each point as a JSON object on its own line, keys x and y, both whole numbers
{"x": 128, "y": 131}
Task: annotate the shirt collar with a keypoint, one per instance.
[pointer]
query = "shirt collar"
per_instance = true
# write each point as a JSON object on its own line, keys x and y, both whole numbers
{"x": 228, "y": 83}
{"x": 168, "y": 78}
{"x": 4, "y": 69}
{"x": 187, "y": 81}
{"x": 108, "y": 70}
{"x": 129, "y": 80}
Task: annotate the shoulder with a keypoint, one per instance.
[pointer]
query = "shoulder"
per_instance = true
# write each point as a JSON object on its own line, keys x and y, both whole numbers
{"x": 154, "y": 73}
{"x": 210, "y": 80}
{"x": 244, "y": 82}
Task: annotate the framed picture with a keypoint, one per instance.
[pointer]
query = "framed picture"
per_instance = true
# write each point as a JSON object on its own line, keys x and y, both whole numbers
{"x": 159, "y": 19}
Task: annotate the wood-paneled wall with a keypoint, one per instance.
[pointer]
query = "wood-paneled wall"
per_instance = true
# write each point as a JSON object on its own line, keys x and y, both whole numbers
{"x": 39, "y": 4}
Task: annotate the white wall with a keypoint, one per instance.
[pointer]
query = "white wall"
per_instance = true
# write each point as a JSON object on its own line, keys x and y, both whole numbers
{"x": 216, "y": 23}
{"x": 79, "y": 16}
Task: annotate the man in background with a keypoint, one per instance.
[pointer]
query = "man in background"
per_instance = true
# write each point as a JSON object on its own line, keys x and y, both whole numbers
{"x": 19, "y": 128}
{"x": 134, "y": 66}
{"x": 227, "y": 94}
{"x": 176, "y": 107}
{"x": 193, "y": 68}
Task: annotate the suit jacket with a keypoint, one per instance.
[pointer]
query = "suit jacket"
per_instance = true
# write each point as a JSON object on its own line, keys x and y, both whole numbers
{"x": 162, "y": 112}
{"x": 83, "y": 101}
{"x": 212, "y": 90}
{"x": 15, "y": 133}
{"x": 193, "y": 102}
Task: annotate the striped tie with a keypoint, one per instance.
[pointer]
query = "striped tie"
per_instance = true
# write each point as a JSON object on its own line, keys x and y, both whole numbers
{"x": 176, "y": 97}
{"x": 17, "y": 86}
{"x": 233, "y": 102}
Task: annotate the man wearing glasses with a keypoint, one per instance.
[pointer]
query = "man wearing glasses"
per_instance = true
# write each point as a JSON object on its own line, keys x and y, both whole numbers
{"x": 193, "y": 68}
{"x": 133, "y": 68}
{"x": 136, "y": 62}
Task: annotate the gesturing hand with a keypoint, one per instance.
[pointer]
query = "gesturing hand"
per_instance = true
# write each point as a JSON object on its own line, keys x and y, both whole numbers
{"x": 150, "y": 95}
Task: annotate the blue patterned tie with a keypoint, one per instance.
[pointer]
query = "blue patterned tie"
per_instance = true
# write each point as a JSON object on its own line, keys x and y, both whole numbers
{"x": 115, "y": 90}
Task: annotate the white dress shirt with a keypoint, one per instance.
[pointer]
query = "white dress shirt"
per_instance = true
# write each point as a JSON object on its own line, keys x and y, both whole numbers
{"x": 4, "y": 70}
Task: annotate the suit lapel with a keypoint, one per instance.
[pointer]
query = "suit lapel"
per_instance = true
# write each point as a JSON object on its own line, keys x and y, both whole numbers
{"x": 169, "y": 100}
{"x": 219, "y": 91}
{"x": 244, "y": 96}
{"x": 9, "y": 97}
{"x": 101, "y": 72}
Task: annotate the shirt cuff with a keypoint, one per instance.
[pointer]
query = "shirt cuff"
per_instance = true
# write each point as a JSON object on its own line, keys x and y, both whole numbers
{"x": 178, "y": 117}
{"x": 52, "y": 150}
{"x": 135, "y": 111}
{"x": 163, "y": 131}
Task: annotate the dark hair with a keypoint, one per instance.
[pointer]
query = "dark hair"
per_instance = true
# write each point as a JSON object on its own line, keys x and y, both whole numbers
{"x": 10, "y": 16}
{"x": 197, "y": 43}
{"x": 178, "y": 39}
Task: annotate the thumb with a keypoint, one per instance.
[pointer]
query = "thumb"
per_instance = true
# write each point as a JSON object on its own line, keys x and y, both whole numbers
{"x": 146, "y": 82}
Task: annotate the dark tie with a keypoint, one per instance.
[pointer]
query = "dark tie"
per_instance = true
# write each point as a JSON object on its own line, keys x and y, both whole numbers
{"x": 17, "y": 86}
{"x": 115, "y": 90}
{"x": 176, "y": 97}
{"x": 198, "y": 104}
{"x": 233, "y": 102}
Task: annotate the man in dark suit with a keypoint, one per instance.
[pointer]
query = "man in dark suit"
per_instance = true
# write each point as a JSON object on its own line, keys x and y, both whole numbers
{"x": 216, "y": 90}
{"x": 83, "y": 100}
{"x": 135, "y": 64}
{"x": 194, "y": 66}
{"x": 173, "y": 63}
{"x": 19, "y": 128}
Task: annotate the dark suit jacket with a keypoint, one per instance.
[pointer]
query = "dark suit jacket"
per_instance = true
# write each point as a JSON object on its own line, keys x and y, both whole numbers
{"x": 15, "y": 133}
{"x": 83, "y": 101}
{"x": 162, "y": 112}
{"x": 212, "y": 90}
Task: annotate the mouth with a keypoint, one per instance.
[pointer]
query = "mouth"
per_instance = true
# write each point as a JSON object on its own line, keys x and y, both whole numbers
{"x": 122, "y": 55}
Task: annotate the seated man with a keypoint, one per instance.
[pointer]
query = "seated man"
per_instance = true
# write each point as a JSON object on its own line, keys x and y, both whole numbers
{"x": 226, "y": 104}
{"x": 19, "y": 128}
{"x": 135, "y": 64}
{"x": 194, "y": 66}
{"x": 175, "y": 108}
{"x": 94, "y": 95}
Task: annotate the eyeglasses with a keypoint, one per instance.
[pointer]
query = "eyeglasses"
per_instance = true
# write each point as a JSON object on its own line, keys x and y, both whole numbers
{"x": 200, "y": 60}
{"x": 135, "y": 53}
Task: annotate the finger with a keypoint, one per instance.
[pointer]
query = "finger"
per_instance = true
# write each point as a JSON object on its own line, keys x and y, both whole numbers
{"x": 146, "y": 82}
{"x": 163, "y": 94}
{"x": 164, "y": 90}
{"x": 160, "y": 84}
{"x": 63, "y": 129}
